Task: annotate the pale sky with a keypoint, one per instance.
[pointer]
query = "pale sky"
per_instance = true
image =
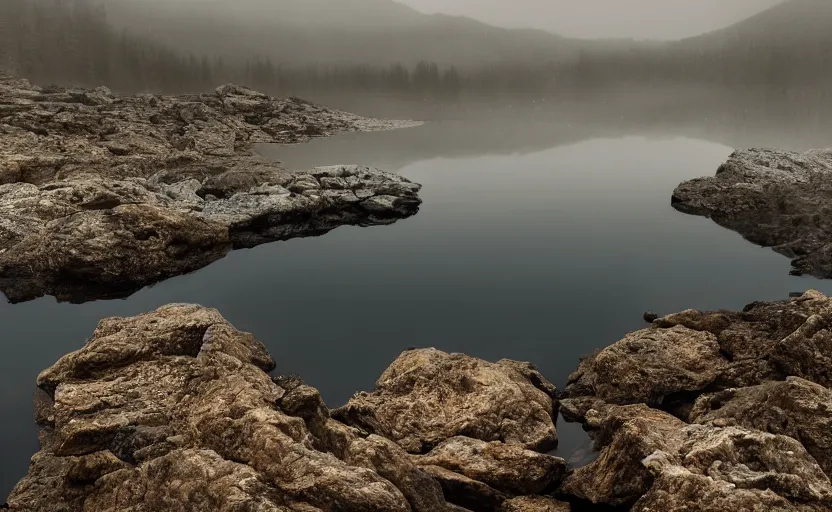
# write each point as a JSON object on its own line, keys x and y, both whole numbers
{"x": 641, "y": 19}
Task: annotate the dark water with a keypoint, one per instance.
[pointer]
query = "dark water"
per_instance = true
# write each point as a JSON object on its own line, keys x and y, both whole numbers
{"x": 536, "y": 242}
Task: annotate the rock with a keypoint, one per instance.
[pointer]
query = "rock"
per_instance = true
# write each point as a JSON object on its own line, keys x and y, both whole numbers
{"x": 644, "y": 448}
{"x": 773, "y": 198}
{"x": 650, "y": 317}
{"x": 182, "y": 400}
{"x": 424, "y": 494}
{"x": 627, "y": 435}
{"x": 648, "y": 366}
{"x": 109, "y": 253}
{"x": 69, "y": 168}
{"x": 427, "y": 397}
{"x": 506, "y": 467}
{"x": 175, "y": 410}
{"x": 535, "y": 504}
{"x": 796, "y": 408}
{"x": 466, "y": 492}
{"x": 751, "y": 412}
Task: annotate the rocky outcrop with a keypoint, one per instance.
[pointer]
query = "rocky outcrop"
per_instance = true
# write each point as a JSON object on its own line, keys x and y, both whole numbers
{"x": 175, "y": 410}
{"x": 777, "y": 199}
{"x": 137, "y": 189}
{"x": 795, "y": 407}
{"x": 427, "y": 397}
{"x": 711, "y": 411}
{"x": 703, "y": 412}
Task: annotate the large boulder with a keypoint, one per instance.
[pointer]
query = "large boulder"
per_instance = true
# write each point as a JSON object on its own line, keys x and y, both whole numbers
{"x": 428, "y": 396}
{"x": 650, "y": 365}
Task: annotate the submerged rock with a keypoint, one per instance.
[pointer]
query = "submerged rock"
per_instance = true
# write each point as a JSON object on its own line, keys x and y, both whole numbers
{"x": 777, "y": 199}
{"x": 171, "y": 179}
{"x": 175, "y": 410}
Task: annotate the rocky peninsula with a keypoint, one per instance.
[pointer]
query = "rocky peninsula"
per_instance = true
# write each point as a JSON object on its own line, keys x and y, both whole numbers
{"x": 773, "y": 198}
{"x": 701, "y": 411}
{"x": 101, "y": 194}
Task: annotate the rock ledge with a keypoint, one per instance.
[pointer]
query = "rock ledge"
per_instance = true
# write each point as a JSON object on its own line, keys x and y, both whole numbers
{"x": 101, "y": 195}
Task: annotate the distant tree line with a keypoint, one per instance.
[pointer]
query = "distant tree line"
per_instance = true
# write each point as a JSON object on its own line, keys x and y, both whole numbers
{"x": 70, "y": 42}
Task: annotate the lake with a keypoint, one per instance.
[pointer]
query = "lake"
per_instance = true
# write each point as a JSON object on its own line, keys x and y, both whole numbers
{"x": 538, "y": 241}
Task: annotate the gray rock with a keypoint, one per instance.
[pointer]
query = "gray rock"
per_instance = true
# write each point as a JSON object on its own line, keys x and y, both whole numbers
{"x": 777, "y": 199}
{"x": 66, "y": 163}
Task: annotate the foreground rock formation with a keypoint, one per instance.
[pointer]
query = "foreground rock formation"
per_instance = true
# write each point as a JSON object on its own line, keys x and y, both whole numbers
{"x": 700, "y": 412}
{"x": 101, "y": 194}
{"x": 711, "y": 411}
{"x": 175, "y": 410}
{"x": 777, "y": 199}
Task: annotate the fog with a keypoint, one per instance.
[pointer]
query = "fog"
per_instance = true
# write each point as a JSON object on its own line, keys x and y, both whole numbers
{"x": 640, "y": 19}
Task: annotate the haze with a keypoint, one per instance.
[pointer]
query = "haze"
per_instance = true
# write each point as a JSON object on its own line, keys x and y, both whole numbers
{"x": 639, "y": 19}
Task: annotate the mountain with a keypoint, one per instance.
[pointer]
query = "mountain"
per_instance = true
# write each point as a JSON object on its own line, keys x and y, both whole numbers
{"x": 343, "y": 32}
{"x": 793, "y": 25}
{"x": 790, "y": 43}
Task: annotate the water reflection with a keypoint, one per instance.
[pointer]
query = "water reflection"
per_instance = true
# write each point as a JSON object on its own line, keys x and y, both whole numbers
{"x": 540, "y": 252}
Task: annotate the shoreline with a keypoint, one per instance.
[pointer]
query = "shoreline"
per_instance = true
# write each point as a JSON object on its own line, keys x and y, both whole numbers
{"x": 687, "y": 412}
{"x": 101, "y": 195}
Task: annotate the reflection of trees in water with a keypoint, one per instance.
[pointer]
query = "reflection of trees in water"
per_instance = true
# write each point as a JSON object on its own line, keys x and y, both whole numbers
{"x": 760, "y": 118}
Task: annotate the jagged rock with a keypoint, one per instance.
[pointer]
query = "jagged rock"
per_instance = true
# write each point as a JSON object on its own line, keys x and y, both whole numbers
{"x": 777, "y": 199}
{"x": 627, "y": 435}
{"x": 427, "y": 396}
{"x": 649, "y": 365}
{"x": 68, "y": 166}
{"x": 110, "y": 252}
{"x": 392, "y": 463}
{"x": 759, "y": 438}
{"x": 175, "y": 410}
{"x": 642, "y": 446}
{"x": 505, "y": 467}
{"x": 182, "y": 400}
{"x": 466, "y": 492}
{"x": 796, "y": 408}
{"x": 535, "y": 504}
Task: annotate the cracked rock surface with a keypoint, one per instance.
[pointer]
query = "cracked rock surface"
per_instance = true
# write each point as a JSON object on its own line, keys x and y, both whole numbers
{"x": 711, "y": 411}
{"x": 176, "y": 410}
{"x": 101, "y": 195}
{"x": 773, "y": 198}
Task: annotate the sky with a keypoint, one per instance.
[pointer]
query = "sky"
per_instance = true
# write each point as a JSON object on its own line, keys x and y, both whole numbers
{"x": 640, "y": 19}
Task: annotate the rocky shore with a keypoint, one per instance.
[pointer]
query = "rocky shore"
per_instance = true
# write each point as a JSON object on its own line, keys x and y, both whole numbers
{"x": 778, "y": 199}
{"x": 702, "y": 411}
{"x": 101, "y": 195}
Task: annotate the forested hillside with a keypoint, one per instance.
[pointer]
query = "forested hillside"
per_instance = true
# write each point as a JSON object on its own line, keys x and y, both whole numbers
{"x": 77, "y": 42}
{"x": 71, "y": 42}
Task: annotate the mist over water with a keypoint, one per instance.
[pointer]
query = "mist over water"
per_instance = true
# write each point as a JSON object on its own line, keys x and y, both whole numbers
{"x": 547, "y": 161}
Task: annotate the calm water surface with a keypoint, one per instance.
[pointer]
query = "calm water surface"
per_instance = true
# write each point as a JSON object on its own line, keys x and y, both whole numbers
{"x": 536, "y": 248}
